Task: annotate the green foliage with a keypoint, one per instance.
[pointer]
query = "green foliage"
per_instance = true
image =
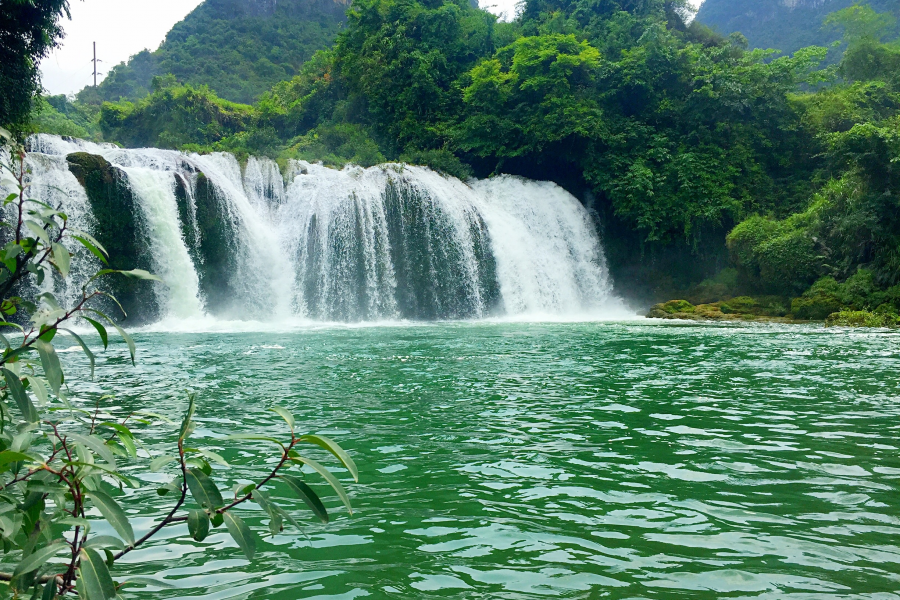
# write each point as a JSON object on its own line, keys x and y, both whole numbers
{"x": 822, "y": 299}
{"x": 404, "y": 58}
{"x": 338, "y": 145}
{"x": 47, "y": 119}
{"x": 59, "y": 461}
{"x": 442, "y": 161}
{"x": 28, "y": 32}
{"x": 173, "y": 117}
{"x": 677, "y": 306}
{"x": 237, "y": 49}
{"x": 862, "y": 318}
{"x": 860, "y": 22}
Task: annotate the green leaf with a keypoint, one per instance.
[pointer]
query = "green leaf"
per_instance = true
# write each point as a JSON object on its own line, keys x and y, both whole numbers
{"x": 91, "y": 247}
{"x": 131, "y": 348}
{"x": 113, "y": 513}
{"x": 332, "y": 446}
{"x": 307, "y": 494}
{"x": 61, "y": 258}
{"x": 287, "y": 517}
{"x": 73, "y": 522}
{"x": 50, "y": 362}
{"x": 104, "y": 337}
{"x": 132, "y": 274}
{"x": 213, "y": 457}
{"x": 90, "y": 238}
{"x": 105, "y": 541}
{"x": 96, "y": 444}
{"x": 284, "y": 414}
{"x": 160, "y": 461}
{"x": 216, "y": 519}
{"x": 17, "y": 390}
{"x": 147, "y": 581}
{"x": 37, "y": 558}
{"x": 10, "y": 456}
{"x": 204, "y": 490}
{"x": 94, "y": 576}
{"x": 38, "y": 231}
{"x": 50, "y": 590}
{"x": 198, "y": 524}
{"x": 172, "y": 486}
{"x": 84, "y": 347}
{"x": 329, "y": 477}
{"x": 188, "y": 418}
{"x": 261, "y": 498}
{"x": 38, "y": 389}
{"x": 241, "y": 534}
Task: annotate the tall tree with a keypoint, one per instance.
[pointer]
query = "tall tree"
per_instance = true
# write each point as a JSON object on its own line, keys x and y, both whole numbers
{"x": 29, "y": 29}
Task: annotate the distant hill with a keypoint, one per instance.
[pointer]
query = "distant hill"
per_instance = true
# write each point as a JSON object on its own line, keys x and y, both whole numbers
{"x": 785, "y": 25}
{"x": 239, "y": 48}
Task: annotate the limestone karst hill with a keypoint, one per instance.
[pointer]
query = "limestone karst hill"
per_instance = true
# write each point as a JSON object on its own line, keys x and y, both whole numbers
{"x": 239, "y": 48}
{"x": 785, "y": 25}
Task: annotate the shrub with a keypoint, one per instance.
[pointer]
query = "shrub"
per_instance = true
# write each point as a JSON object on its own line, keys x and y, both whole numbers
{"x": 862, "y": 318}
{"x": 822, "y": 299}
{"x": 442, "y": 161}
{"x": 678, "y": 306}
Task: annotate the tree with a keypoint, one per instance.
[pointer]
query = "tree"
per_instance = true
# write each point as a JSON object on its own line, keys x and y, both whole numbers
{"x": 29, "y": 29}
{"x": 57, "y": 458}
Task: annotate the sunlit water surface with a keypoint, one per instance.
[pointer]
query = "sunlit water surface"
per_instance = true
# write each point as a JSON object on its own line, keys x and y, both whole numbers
{"x": 510, "y": 460}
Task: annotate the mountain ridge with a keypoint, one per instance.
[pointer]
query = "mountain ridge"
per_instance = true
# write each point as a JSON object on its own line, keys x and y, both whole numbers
{"x": 237, "y": 48}
{"x": 785, "y": 25}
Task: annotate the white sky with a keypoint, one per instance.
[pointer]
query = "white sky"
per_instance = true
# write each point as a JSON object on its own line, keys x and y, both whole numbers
{"x": 122, "y": 28}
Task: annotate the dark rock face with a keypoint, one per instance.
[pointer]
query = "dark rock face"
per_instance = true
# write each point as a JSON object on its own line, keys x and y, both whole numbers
{"x": 113, "y": 206}
{"x": 215, "y": 246}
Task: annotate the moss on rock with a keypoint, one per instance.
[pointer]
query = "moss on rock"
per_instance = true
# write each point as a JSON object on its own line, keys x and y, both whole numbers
{"x": 113, "y": 207}
{"x": 862, "y": 318}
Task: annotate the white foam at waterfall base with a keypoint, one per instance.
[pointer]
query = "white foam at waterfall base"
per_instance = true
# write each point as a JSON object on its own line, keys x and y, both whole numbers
{"x": 155, "y": 194}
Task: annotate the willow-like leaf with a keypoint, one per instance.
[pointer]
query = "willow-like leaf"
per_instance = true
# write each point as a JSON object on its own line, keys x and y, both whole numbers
{"x": 307, "y": 494}
{"x": 335, "y": 449}
{"x": 113, "y": 513}
{"x": 241, "y": 534}
{"x": 204, "y": 490}
{"x": 284, "y": 414}
{"x": 17, "y": 391}
{"x": 39, "y": 557}
{"x": 50, "y": 362}
{"x": 84, "y": 347}
{"x": 95, "y": 578}
{"x": 101, "y": 330}
{"x": 329, "y": 477}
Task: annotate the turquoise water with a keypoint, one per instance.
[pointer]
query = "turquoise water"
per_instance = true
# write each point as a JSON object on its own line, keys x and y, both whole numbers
{"x": 595, "y": 460}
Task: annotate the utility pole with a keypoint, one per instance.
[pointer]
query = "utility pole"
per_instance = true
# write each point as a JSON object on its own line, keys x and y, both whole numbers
{"x": 95, "y": 64}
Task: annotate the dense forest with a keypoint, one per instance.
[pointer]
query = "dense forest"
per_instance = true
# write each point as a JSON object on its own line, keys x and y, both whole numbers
{"x": 716, "y": 170}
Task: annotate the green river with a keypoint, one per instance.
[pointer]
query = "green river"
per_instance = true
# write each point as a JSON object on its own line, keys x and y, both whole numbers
{"x": 526, "y": 460}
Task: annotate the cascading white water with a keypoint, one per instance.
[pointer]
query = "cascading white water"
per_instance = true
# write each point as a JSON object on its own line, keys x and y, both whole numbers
{"x": 387, "y": 242}
{"x": 155, "y": 191}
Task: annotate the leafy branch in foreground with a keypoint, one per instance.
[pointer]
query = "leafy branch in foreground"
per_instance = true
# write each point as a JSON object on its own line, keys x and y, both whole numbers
{"x": 59, "y": 461}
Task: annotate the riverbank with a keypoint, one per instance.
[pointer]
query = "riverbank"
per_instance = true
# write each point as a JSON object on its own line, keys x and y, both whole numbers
{"x": 771, "y": 309}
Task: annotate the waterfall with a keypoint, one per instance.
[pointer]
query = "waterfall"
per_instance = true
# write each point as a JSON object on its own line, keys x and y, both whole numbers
{"x": 383, "y": 243}
{"x": 171, "y": 261}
